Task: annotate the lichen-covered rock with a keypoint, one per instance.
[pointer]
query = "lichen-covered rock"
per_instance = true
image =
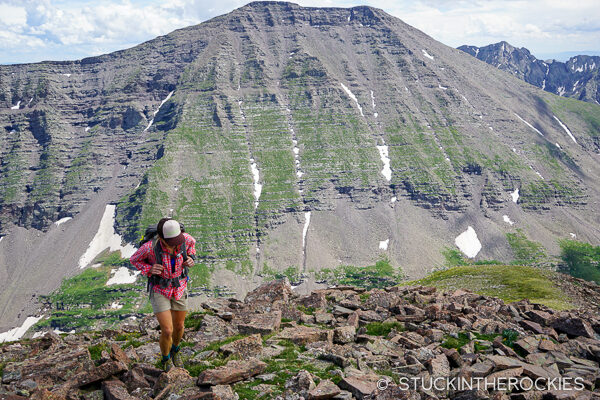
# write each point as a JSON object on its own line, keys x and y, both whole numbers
{"x": 263, "y": 323}
{"x": 326, "y": 389}
{"x": 233, "y": 371}
{"x": 250, "y": 346}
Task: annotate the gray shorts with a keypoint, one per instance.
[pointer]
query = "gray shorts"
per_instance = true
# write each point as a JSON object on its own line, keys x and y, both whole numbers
{"x": 160, "y": 303}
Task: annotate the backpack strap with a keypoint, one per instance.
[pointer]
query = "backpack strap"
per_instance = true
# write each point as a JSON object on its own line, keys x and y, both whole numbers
{"x": 155, "y": 279}
{"x": 158, "y": 280}
{"x": 185, "y": 257}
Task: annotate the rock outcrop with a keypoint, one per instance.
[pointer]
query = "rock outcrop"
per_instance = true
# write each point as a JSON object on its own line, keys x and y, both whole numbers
{"x": 391, "y": 345}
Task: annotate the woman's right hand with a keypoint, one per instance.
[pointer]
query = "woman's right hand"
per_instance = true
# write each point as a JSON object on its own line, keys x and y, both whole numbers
{"x": 156, "y": 269}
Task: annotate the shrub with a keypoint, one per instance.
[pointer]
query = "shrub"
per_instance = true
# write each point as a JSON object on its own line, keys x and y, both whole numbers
{"x": 582, "y": 259}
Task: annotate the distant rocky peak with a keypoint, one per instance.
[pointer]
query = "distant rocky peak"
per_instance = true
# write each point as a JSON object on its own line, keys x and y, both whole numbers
{"x": 577, "y": 78}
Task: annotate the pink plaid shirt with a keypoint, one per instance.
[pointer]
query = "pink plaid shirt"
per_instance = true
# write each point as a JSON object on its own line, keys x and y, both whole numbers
{"x": 143, "y": 259}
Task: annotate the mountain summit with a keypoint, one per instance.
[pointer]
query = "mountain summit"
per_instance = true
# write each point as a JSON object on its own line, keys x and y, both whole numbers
{"x": 286, "y": 137}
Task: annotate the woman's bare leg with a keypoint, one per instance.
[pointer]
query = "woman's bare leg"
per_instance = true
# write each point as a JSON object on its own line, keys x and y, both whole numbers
{"x": 166, "y": 331}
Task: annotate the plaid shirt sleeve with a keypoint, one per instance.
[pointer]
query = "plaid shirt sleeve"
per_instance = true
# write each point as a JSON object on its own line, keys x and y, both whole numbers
{"x": 190, "y": 244}
{"x": 142, "y": 257}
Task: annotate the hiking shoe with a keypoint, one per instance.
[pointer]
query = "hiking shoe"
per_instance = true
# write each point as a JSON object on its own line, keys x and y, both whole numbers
{"x": 166, "y": 365}
{"x": 176, "y": 357}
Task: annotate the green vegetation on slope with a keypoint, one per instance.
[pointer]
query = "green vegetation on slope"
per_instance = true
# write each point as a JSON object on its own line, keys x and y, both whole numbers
{"x": 582, "y": 259}
{"x": 526, "y": 251}
{"x": 381, "y": 274}
{"x": 83, "y": 299}
{"x": 508, "y": 282}
{"x": 564, "y": 107}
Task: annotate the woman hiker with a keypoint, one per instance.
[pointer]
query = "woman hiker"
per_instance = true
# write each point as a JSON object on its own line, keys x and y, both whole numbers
{"x": 165, "y": 260}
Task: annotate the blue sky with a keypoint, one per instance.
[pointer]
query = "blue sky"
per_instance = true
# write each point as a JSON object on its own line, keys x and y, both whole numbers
{"x": 37, "y": 30}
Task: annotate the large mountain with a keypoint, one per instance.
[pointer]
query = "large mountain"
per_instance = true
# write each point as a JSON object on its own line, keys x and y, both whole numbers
{"x": 577, "y": 78}
{"x": 286, "y": 136}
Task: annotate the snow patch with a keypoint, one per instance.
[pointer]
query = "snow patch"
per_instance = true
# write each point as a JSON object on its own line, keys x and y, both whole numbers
{"x": 255, "y": 177}
{"x": 106, "y": 238}
{"x": 18, "y": 332}
{"x": 566, "y": 129}
{"x": 158, "y": 109}
{"x": 58, "y": 331}
{"x": 426, "y": 54}
{"x": 561, "y": 91}
{"x": 537, "y": 173}
{"x": 16, "y": 107}
{"x": 353, "y": 97}
{"x": 87, "y": 129}
{"x": 515, "y": 195}
{"x": 383, "y": 245}
{"x": 468, "y": 242}
{"x": 122, "y": 275}
{"x": 529, "y": 125}
{"x": 372, "y": 100}
{"x": 305, "y": 230}
{"x": 386, "y": 171}
{"x": 442, "y": 87}
{"x": 62, "y": 220}
{"x": 67, "y": 75}
{"x": 572, "y": 235}
{"x": 115, "y": 305}
{"x": 507, "y": 220}
{"x": 393, "y": 200}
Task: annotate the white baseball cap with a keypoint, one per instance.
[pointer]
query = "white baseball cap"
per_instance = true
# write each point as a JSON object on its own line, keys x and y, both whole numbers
{"x": 170, "y": 231}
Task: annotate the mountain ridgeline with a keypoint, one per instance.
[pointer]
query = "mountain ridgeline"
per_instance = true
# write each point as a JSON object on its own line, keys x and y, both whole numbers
{"x": 577, "y": 78}
{"x": 285, "y": 136}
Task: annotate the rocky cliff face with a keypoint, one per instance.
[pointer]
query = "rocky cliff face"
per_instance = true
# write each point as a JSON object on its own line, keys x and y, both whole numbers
{"x": 336, "y": 343}
{"x": 577, "y": 78}
{"x": 288, "y": 137}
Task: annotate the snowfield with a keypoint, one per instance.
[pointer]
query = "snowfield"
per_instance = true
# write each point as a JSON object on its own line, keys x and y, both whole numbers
{"x": 18, "y": 332}
{"x": 122, "y": 275}
{"x": 468, "y": 242}
{"x": 106, "y": 238}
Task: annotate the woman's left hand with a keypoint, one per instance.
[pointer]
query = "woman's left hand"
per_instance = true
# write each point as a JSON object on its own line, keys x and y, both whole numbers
{"x": 189, "y": 262}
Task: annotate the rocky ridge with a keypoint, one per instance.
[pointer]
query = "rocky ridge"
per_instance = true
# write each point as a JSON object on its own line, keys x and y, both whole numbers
{"x": 336, "y": 343}
{"x": 577, "y": 78}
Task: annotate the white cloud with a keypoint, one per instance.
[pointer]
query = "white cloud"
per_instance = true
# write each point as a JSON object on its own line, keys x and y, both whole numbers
{"x": 12, "y": 15}
{"x": 75, "y": 29}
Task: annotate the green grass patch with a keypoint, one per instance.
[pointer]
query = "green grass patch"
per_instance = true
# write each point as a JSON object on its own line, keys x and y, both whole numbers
{"x": 508, "y": 282}
{"x": 193, "y": 320}
{"x": 306, "y": 310}
{"x": 96, "y": 350}
{"x": 127, "y": 336}
{"x": 508, "y": 338}
{"x": 383, "y": 328}
{"x": 454, "y": 258}
{"x": 217, "y": 345}
{"x": 113, "y": 259}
